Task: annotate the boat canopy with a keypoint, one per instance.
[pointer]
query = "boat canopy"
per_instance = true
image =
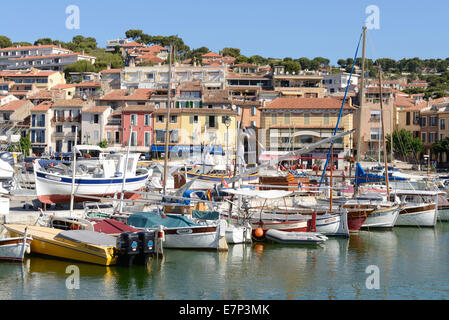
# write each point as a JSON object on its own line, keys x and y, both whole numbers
{"x": 362, "y": 177}
{"x": 205, "y": 215}
{"x": 154, "y": 220}
{"x": 89, "y": 237}
{"x": 264, "y": 194}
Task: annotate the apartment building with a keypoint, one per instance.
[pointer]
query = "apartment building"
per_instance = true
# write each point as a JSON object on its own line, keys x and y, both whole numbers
{"x": 40, "y": 128}
{"x": 141, "y": 118}
{"x": 338, "y": 82}
{"x": 93, "y": 122}
{"x": 33, "y": 78}
{"x": 290, "y": 123}
{"x": 66, "y": 121}
{"x": 297, "y": 85}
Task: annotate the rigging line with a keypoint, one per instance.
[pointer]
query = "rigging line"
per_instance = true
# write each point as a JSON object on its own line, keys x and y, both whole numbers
{"x": 341, "y": 109}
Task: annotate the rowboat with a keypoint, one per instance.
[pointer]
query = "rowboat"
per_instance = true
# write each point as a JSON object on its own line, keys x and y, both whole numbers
{"x": 14, "y": 249}
{"x": 79, "y": 245}
{"x": 101, "y": 177}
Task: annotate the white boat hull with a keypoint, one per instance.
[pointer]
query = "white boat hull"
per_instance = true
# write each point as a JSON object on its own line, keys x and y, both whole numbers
{"x": 52, "y": 188}
{"x": 295, "y": 237}
{"x": 14, "y": 249}
{"x": 382, "y": 218}
{"x": 334, "y": 225}
{"x": 419, "y": 218}
{"x": 238, "y": 234}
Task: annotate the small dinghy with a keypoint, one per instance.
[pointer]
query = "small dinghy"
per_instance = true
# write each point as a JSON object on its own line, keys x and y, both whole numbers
{"x": 14, "y": 249}
{"x": 295, "y": 237}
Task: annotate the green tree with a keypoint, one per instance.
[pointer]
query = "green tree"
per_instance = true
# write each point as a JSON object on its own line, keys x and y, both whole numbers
{"x": 5, "y": 42}
{"x": 233, "y": 52}
{"x": 404, "y": 144}
{"x": 103, "y": 144}
{"x": 25, "y": 145}
{"x": 21, "y": 44}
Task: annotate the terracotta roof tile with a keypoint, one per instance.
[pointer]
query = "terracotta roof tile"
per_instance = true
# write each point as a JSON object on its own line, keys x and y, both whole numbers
{"x": 139, "y": 108}
{"x": 211, "y": 54}
{"x": 43, "y": 106}
{"x": 306, "y": 103}
{"x": 13, "y": 105}
{"x": 69, "y": 103}
{"x": 97, "y": 109}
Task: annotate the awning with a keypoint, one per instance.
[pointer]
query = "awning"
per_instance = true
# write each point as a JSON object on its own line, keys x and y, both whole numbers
{"x": 190, "y": 149}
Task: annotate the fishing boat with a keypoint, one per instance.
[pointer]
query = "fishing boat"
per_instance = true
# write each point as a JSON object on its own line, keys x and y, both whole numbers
{"x": 420, "y": 209}
{"x": 79, "y": 245}
{"x": 295, "y": 237}
{"x": 101, "y": 177}
{"x": 181, "y": 232}
{"x": 14, "y": 249}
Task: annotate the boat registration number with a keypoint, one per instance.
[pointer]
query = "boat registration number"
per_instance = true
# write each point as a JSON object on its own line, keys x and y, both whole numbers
{"x": 184, "y": 231}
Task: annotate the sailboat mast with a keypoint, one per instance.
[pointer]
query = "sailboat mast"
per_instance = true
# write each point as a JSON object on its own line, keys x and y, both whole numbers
{"x": 362, "y": 97}
{"x": 383, "y": 133}
{"x": 361, "y": 100}
{"x": 167, "y": 121}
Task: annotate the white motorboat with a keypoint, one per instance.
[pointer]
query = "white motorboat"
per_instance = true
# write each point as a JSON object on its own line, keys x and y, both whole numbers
{"x": 102, "y": 177}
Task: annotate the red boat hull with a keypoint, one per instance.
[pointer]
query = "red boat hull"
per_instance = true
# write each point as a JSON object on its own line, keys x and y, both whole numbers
{"x": 355, "y": 223}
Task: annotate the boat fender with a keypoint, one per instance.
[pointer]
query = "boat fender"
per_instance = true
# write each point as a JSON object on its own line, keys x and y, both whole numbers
{"x": 222, "y": 228}
{"x": 161, "y": 234}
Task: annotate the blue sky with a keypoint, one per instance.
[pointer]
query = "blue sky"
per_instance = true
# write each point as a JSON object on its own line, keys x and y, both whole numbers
{"x": 294, "y": 28}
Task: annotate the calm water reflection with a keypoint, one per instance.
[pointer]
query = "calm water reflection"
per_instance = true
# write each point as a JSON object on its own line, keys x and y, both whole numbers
{"x": 412, "y": 264}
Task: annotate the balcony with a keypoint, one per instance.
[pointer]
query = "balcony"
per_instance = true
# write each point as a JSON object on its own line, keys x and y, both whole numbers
{"x": 57, "y": 119}
{"x": 73, "y": 119}
{"x": 374, "y": 119}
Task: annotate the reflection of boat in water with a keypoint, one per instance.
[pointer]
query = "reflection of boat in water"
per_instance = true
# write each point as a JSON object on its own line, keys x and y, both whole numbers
{"x": 80, "y": 245}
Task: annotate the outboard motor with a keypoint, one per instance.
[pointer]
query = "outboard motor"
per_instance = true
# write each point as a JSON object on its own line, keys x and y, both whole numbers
{"x": 147, "y": 244}
{"x": 7, "y": 157}
{"x": 129, "y": 248}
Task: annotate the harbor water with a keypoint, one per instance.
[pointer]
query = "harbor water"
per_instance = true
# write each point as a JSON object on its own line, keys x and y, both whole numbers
{"x": 409, "y": 263}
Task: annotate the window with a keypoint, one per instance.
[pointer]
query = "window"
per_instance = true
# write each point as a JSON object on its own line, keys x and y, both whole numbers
{"x": 306, "y": 118}
{"x": 73, "y": 129}
{"x": 134, "y": 119}
{"x": 147, "y": 119}
{"x": 117, "y": 136}
{"x": 173, "y": 119}
{"x": 134, "y": 138}
{"x": 212, "y": 122}
{"x": 326, "y": 118}
{"x": 407, "y": 118}
{"x": 253, "y": 124}
{"x": 274, "y": 118}
{"x": 174, "y": 138}
{"x": 375, "y": 115}
{"x": 150, "y": 75}
{"x": 423, "y": 122}
{"x": 194, "y": 119}
{"x": 415, "y": 117}
{"x": 96, "y": 136}
{"x": 423, "y": 137}
{"x": 147, "y": 138}
{"x": 108, "y": 136}
{"x": 376, "y": 134}
{"x": 96, "y": 118}
{"x": 160, "y": 119}
{"x": 287, "y": 118}
{"x": 433, "y": 121}
{"x": 442, "y": 124}
{"x": 160, "y": 136}
{"x": 253, "y": 111}
{"x": 59, "y": 128}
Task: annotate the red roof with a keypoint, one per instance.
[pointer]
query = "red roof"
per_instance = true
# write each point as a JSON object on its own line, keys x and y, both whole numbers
{"x": 133, "y": 44}
{"x": 43, "y": 106}
{"x": 306, "y": 103}
{"x": 31, "y": 47}
{"x": 40, "y": 73}
{"x": 211, "y": 54}
{"x": 88, "y": 84}
{"x": 13, "y": 105}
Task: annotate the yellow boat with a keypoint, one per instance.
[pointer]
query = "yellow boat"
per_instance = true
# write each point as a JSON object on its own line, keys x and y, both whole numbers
{"x": 80, "y": 245}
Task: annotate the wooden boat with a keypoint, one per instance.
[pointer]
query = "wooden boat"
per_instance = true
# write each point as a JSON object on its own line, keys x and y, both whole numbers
{"x": 93, "y": 178}
{"x": 14, "y": 249}
{"x": 420, "y": 209}
{"x": 295, "y": 237}
{"x": 79, "y": 245}
{"x": 181, "y": 232}
{"x": 443, "y": 208}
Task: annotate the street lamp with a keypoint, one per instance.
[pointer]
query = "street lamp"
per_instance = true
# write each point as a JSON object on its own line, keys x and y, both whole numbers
{"x": 227, "y": 122}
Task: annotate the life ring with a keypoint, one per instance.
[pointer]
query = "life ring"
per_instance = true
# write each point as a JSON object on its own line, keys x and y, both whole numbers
{"x": 74, "y": 226}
